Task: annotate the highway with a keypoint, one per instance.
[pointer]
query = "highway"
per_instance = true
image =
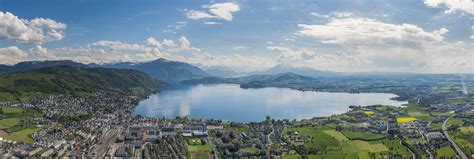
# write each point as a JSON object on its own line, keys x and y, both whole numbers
{"x": 445, "y": 131}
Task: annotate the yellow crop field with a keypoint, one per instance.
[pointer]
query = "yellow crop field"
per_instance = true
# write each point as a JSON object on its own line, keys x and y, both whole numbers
{"x": 405, "y": 119}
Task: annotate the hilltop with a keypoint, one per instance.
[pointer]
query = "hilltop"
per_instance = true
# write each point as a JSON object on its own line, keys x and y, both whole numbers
{"x": 77, "y": 81}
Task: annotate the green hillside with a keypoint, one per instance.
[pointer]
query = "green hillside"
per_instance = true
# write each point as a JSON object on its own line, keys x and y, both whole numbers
{"x": 77, "y": 81}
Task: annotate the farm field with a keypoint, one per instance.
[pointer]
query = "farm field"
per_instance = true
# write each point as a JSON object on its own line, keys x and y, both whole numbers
{"x": 339, "y": 145}
{"x": 405, "y": 119}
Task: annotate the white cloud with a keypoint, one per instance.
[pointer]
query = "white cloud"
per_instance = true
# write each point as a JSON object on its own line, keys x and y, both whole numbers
{"x": 223, "y": 10}
{"x": 192, "y": 14}
{"x": 240, "y": 48}
{"x": 36, "y": 31}
{"x": 153, "y": 42}
{"x": 212, "y": 23}
{"x": 319, "y": 15}
{"x": 217, "y": 11}
{"x": 288, "y": 55}
{"x": 342, "y": 14}
{"x": 168, "y": 42}
{"x": 185, "y": 45}
{"x": 12, "y": 55}
{"x": 333, "y": 15}
{"x": 452, "y": 6}
{"x": 369, "y": 32}
{"x": 40, "y": 53}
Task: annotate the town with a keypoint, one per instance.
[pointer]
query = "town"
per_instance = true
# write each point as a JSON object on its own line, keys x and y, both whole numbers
{"x": 102, "y": 126}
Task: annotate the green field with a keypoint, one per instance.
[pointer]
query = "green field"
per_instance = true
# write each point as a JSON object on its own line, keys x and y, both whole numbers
{"x": 455, "y": 121}
{"x": 20, "y": 136}
{"x": 291, "y": 156}
{"x": 363, "y": 145}
{"x": 336, "y": 135}
{"x": 337, "y": 145}
{"x": 467, "y": 130}
{"x": 11, "y": 120}
{"x": 316, "y": 139}
{"x": 445, "y": 152}
{"x": 362, "y": 135}
{"x": 464, "y": 138}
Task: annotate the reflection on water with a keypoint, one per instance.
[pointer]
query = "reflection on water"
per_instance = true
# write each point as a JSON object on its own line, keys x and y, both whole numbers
{"x": 230, "y": 102}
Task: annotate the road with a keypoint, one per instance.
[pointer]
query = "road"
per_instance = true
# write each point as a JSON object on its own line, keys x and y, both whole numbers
{"x": 445, "y": 131}
{"x": 412, "y": 154}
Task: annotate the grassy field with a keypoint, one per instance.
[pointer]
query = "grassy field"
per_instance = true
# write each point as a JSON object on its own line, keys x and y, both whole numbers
{"x": 455, "y": 121}
{"x": 467, "y": 129}
{"x": 445, "y": 152}
{"x": 8, "y": 110}
{"x": 197, "y": 150}
{"x": 292, "y": 156}
{"x": 464, "y": 138}
{"x": 20, "y": 136}
{"x": 316, "y": 139}
{"x": 338, "y": 145}
{"x": 437, "y": 126}
{"x": 336, "y": 135}
{"x": 363, "y": 145}
{"x": 362, "y": 135}
{"x": 9, "y": 122}
{"x": 252, "y": 149}
{"x": 405, "y": 119}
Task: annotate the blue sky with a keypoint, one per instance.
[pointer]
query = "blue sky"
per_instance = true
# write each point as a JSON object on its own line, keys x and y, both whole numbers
{"x": 249, "y": 35}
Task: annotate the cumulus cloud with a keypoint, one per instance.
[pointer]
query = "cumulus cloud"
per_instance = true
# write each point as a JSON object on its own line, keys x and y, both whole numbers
{"x": 12, "y": 55}
{"x": 105, "y": 51}
{"x": 369, "y": 32}
{"x": 151, "y": 41}
{"x": 452, "y": 6}
{"x": 40, "y": 53}
{"x": 215, "y": 11}
{"x": 35, "y": 31}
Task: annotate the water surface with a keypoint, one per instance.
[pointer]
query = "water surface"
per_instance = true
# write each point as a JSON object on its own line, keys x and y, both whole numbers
{"x": 232, "y": 103}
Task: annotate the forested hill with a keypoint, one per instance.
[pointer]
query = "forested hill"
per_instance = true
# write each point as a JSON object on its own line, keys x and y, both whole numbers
{"x": 77, "y": 81}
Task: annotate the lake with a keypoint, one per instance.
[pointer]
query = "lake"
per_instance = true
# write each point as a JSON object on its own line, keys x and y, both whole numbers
{"x": 232, "y": 103}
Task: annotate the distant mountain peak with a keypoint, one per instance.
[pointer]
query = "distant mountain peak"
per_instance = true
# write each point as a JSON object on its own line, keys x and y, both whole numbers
{"x": 305, "y": 71}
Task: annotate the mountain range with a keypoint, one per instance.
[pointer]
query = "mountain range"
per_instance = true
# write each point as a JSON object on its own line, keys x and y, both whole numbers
{"x": 161, "y": 69}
